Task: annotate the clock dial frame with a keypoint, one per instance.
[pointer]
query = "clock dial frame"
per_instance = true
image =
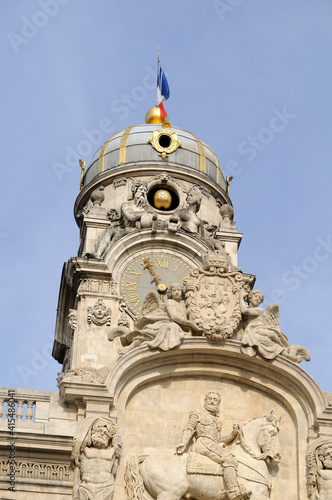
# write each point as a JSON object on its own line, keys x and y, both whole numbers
{"x": 152, "y": 270}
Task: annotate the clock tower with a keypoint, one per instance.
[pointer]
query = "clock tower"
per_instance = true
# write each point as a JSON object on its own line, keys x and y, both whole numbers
{"x": 153, "y": 203}
{"x": 163, "y": 342}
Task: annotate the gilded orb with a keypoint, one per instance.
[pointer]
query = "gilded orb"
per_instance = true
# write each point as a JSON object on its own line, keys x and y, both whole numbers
{"x": 162, "y": 199}
{"x": 153, "y": 116}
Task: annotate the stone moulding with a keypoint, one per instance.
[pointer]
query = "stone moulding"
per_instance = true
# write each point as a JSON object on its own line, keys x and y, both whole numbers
{"x": 283, "y": 379}
{"x": 187, "y": 175}
{"x": 86, "y": 395}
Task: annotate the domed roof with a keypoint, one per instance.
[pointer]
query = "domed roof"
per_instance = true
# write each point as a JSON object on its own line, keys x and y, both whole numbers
{"x": 134, "y": 146}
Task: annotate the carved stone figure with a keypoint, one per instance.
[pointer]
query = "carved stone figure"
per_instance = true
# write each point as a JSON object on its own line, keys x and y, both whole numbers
{"x": 197, "y": 476}
{"x": 137, "y": 213}
{"x": 72, "y": 323}
{"x": 99, "y": 314}
{"x": 96, "y": 453}
{"x": 212, "y": 296}
{"x": 162, "y": 325}
{"x": 204, "y": 426}
{"x": 319, "y": 469}
{"x": 190, "y": 222}
{"x": 262, "y": 330}
{"x": 108, "y": 237}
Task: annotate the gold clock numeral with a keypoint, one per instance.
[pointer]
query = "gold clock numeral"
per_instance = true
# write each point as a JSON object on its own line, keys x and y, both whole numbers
{"x": 185, "y": 278}
{"x": 131, "y": 285}
{"x": 162, "y": 263}
{"x": 136, "y": 273}
{"x": 177, "y": 267}
{"x": 134, "y": 298}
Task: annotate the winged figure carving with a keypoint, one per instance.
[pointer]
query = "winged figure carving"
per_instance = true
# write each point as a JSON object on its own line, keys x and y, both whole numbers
{"x": 163, "y": 325}
{"x": 262, "y": 331}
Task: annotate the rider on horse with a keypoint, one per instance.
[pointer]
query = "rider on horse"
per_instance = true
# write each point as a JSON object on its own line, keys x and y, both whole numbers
{"x": 205, "y": 427}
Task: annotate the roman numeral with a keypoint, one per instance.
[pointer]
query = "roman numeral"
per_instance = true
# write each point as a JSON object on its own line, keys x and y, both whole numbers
{"x": 162, "y": 263}
{"x": 134, "y": 298}
{"x": 185, "y": 278}
{"x": 131, "y": 285}
{"x": 137, "y": 274}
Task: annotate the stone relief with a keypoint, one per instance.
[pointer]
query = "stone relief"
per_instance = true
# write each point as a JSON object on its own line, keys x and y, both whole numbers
{"x": 96, "y": 453}
{"x": 101, "y": 287}
{"x": 166, "y": 178}
{"x": 137, "y": 213}
{"x": 203, "y": 425}
{"x": 85, "y": 375}
{"x": 122, "y": 181}
{"x": 319, "y": 469}
{"x": 99, "y": 314}
{"x": 262, "y": 330}
{"x": 163, "y": 325}
{"x": 38, "y": 470}
{"x": 212, "y": 296}
{"x": 229, "y": 467}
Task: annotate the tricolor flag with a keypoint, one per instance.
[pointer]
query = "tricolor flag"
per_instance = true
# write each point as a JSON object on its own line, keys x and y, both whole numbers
{"x": 162, "y": 90}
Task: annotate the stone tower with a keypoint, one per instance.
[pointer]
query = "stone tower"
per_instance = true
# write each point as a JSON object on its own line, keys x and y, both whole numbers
{"x": 174, "y": 381}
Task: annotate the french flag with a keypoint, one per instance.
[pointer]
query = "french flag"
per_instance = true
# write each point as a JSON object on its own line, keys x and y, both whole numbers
{"x": 162, "y": 91}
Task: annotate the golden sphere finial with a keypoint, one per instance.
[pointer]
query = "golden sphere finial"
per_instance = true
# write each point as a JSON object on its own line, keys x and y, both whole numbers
{"x": 162, "y": 199}
{"x": 153, "y": 116}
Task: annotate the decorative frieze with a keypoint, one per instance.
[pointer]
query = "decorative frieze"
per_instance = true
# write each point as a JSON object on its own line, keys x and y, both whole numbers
{"x": 100, "y": 287}
{"x": 38, "y": 470}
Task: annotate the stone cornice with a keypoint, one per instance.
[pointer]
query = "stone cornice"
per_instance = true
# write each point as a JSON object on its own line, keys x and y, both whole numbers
{"x": 281, "y": 378}
{"x": 36, "y": 442}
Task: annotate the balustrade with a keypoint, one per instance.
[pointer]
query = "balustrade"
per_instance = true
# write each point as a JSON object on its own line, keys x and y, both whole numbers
{"x": 18, "y": 408}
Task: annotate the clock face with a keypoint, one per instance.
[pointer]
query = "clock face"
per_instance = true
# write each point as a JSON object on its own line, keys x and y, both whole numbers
{"x": 151, "y": 271}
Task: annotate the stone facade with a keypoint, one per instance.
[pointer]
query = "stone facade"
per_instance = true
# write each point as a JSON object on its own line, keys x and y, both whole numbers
{"x": 169, "y": 362}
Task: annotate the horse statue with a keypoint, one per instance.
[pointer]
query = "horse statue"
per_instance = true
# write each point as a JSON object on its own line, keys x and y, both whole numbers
{"x": 167, "y": 476}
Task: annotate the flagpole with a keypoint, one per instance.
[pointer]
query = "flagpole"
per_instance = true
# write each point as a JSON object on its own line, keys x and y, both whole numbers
{"x": 157, "y": 78}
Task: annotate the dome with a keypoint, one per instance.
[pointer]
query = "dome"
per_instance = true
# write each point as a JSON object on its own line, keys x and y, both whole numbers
{"x": 135, "y": 146}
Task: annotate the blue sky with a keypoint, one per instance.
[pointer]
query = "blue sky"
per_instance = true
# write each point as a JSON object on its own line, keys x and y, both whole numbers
{"x": 252, "y": 79}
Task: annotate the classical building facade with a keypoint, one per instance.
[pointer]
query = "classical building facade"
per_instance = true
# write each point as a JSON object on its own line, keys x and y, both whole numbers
{"x": 175, "y": 381}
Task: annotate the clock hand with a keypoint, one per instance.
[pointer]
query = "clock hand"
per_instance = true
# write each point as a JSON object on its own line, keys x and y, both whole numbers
{"x": 155, "y": 277}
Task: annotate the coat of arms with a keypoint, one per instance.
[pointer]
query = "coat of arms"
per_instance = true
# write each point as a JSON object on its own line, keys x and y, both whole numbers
{"x": 212, "y": 297}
